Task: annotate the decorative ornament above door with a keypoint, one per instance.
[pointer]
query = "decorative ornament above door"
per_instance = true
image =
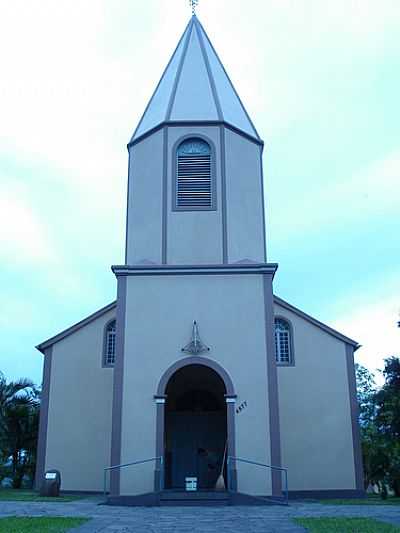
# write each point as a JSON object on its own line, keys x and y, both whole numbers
{"x": 195, "y": 346}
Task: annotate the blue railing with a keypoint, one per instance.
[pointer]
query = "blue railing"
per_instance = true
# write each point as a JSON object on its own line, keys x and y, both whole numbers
{"x": 285, "y": 494}
{"x": 135, "y": 463}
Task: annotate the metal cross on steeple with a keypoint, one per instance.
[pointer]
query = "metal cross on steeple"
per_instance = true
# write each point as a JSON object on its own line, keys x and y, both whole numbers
{"x": 193, "y": 5}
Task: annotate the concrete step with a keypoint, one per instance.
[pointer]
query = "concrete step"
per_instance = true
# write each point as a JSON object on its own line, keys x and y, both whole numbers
{"x": 203, "y": 497}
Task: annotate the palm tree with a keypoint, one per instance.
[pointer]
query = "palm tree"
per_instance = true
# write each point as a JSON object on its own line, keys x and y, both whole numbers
{"x": 11, "y": 391}
{"x": 19, "y": 417}
{"x": 21, "y": 423}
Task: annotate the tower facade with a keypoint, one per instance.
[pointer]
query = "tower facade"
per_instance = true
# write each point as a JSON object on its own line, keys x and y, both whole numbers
{"x": 195, "y": 252}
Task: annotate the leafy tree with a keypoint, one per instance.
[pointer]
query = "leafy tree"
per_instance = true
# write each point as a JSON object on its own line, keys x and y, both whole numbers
{"x": 387, "y": 419}
{"x": 388, "y": 399}
{"x": 366, "y": 390}
{"x": 380, "y": 425}
{"x": 373, "y": 450}
{"x": 376, "y": 455}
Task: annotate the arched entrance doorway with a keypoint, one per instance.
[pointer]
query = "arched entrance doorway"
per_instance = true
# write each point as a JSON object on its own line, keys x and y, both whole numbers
{"x": 195, "y": 427}
{"x": 214, "y": 380}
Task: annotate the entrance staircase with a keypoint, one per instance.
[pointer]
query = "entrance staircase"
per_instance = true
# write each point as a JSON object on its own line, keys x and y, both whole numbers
{"x": 172, "y": 497}
{"x": 175, "y": 498}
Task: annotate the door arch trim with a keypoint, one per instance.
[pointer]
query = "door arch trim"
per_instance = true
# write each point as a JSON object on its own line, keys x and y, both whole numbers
{"x": 160, "y": 413}
{"x": 195, "y": 360}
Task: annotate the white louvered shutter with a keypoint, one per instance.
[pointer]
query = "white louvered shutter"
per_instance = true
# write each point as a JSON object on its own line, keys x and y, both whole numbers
{"x": 193, "y": 179}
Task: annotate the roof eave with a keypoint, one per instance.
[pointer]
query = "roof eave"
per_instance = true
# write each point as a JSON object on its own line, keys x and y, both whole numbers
{"x": 56, "y": 338}
{"x": 185, "y": 123}
{"x": 317, "y": 323}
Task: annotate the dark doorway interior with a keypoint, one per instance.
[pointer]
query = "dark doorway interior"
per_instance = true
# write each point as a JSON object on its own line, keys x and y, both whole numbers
{"x": 195, "y": 427}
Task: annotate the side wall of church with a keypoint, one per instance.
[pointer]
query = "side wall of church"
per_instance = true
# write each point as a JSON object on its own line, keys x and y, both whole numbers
{"x": 314, "y": 408}
{"x": 79, "y": 415}
{"x": 159, "y": 315}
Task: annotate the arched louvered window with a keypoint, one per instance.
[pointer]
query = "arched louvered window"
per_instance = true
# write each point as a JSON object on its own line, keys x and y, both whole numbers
{"x": 109, "y": 344}
{"x": 283, "y": 342}
{"x": 194, "y": 187}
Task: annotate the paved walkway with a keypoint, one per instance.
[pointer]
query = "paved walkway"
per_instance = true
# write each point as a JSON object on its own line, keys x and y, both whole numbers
{"x": 271, "y": 519}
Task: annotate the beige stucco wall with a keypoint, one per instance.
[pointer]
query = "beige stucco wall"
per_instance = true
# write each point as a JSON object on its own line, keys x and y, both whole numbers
{"x": 314, "y": 408}
{"x": 144, "y": 214}
{"x": 159, "y": 315}
{"x": 195, "y": 237}
{"x": 314, "y": 405}
{"x": 244, "y": 199}
{"x": 79, "y": 417}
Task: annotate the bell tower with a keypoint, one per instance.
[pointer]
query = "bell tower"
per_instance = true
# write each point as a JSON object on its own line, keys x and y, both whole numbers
{"x": 195, "y": 255}
{"x": 195, "y": 169}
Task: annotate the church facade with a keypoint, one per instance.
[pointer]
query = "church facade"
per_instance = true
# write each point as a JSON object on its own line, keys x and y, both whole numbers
{"x": 198, "y": 370}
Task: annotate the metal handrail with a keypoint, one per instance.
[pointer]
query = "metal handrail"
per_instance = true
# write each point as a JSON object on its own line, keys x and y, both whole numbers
{"x": 285, "y": 491}
{"x": 134, "y": 463}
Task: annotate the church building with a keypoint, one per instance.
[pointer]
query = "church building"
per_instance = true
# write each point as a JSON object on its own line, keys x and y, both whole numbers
{"x": 199, "y": 377}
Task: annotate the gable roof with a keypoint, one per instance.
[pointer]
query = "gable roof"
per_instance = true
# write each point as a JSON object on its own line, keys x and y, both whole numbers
{"x": 195, "y": 88}
{"x": 56, "y": 338}
{"x": 49, "y": 342}
{"x": 316, "y": 322}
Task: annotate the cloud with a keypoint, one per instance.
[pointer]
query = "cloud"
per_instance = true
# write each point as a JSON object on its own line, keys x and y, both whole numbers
{"x": 280, "y": 53}
{"x": 80, "y": 98}
{"x": 23, "y": 235}
{"x": 370, "y": 194}
{"x": 371, "y": 320}
{"x": 372, "y": 190}
{"x": 76, "y": 77}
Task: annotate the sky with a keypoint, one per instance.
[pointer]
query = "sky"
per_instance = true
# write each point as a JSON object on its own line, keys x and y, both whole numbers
{"x": 321, "y": 81}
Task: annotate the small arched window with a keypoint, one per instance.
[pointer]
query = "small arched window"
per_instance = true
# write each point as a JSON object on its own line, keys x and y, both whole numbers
{"x": 283, "y": 342}
{"x": 194, "y": 188}
{"x": 109, "y": 344}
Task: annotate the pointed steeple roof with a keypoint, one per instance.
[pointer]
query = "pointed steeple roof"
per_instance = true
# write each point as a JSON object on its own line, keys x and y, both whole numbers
{"x": 195, "y": 88}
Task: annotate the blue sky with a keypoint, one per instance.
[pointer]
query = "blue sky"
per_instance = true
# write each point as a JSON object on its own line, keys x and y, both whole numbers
{"x": 321, "y": 81}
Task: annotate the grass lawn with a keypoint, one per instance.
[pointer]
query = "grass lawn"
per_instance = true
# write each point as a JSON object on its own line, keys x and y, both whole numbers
{"x": 39, "y": 525}
{"x": 32, "y": 496}
{"x": 371, "y": 499}
{"x": 345, "y": 525}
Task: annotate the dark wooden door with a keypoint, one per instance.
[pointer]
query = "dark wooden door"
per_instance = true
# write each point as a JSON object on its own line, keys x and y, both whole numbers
{"x": 197, "y": 442}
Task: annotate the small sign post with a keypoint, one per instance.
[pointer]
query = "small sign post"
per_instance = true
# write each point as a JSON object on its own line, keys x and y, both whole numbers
{"x": 191, "y": 484}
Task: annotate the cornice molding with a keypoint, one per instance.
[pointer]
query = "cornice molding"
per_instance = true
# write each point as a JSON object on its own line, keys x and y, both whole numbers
{"x": 182, "y": 270}
{"x": 194, "y": 124}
